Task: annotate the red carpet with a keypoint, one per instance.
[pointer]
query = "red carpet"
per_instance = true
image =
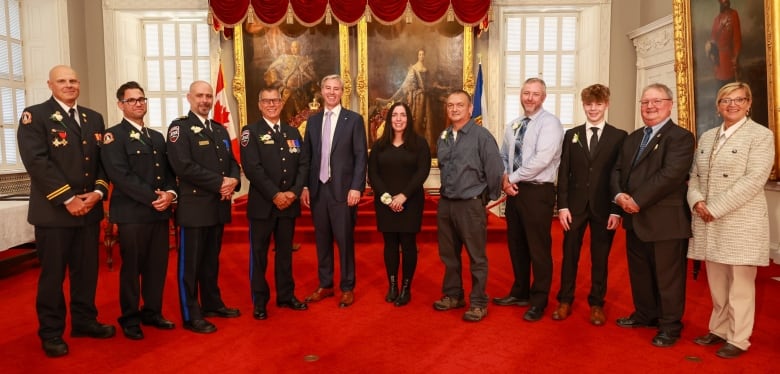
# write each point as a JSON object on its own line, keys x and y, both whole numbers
{"x": 373, "y": 336}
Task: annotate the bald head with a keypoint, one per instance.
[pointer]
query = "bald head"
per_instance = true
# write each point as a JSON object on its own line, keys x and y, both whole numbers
{"x": 201, "y": 98}
{"x": 64, "y": 84}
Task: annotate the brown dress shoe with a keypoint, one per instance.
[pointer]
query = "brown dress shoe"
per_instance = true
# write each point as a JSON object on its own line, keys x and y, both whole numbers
{"x": 562, "y": 312}
{"x": 347, "y": 298}
{"x": 597, "y": 316}
{"x": 729, "y": 350}
{"x": 319, "y": 294}
{"x": 709, "y": 339}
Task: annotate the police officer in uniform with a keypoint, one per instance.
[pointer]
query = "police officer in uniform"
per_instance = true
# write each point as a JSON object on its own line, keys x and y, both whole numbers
{"x": 271, "y": 159}
{"x": 199, "y": 153}
{"x": 59, "y": 142}
{"x": 135, "y": 160}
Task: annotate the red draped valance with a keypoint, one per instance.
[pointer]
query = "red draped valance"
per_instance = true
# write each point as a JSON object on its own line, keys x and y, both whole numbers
{"x": 230, "y": 13}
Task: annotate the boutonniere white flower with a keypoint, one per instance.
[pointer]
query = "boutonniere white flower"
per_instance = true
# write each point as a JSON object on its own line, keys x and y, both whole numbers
{"x": 576, "y": 138}
{"x": 135, "y": 135}
{"x": 56, "y": 116}
{"x": 196, "y": 129}
{"x": 444, "y": 136}
{"x": 265, "y": 137}
{"x": 515, "y": 125}
{"x": 386, "y": 198}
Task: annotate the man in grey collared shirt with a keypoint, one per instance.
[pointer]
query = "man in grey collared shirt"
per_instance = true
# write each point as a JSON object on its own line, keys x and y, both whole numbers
{"x": 531, "y": 153}
{"x": 471, "y": 169}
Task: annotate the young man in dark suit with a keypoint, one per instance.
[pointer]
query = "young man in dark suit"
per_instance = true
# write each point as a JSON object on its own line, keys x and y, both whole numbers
{"x": 199, "y": 153}
{"x": 649, "y": 183}
{"x": 59, "y": 142}
{"x": 272, "y": 162}
{"x": 335, "y": 140}
{"x": 136, "y": 161}
{"x": 588, "y": 157}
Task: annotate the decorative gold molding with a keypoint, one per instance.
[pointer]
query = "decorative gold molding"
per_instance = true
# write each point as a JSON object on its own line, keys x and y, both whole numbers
{"x": 468, "y": 59}
{"x": 362, "y": 77}
{"x": 772, "y": 24}
{"x": 239, "y": 83}
{"x": 344, "y": 65}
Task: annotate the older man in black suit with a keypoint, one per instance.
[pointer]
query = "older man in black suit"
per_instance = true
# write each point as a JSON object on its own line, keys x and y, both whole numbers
{"x": 272, "y": 162}
{"x": 135, "y": 159}
{"x": 59, "y": 142}
{"x": 588, "y": 157}
{"x": 336, "y": 142}
{"x": 199, "y": 152}
{"x": 649, "y": 183}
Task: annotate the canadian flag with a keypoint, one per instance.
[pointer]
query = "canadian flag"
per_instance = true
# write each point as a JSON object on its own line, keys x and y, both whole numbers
{"x": 222, "y": 113}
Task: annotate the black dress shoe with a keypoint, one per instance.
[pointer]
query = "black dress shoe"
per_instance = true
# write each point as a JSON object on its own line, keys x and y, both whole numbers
{"x": 54, "y": 347}
{"x": 293, "y": 304}
{"x": 729, "y": 350}
{"x": 709, "y": 339}
{"x": 664, "y": 340}
{"x": 630, "y": 322}
{"x": 510, "y": 300}
{"x": 260, "y": 313}
{"x": 133, "y": 332}
{"x": 200, "y": 326}
{"x": 533, "y": 314}
{"x": 159, "y": 322}
{"x": 94, "y": 330}
{"x": 223, "y": 312}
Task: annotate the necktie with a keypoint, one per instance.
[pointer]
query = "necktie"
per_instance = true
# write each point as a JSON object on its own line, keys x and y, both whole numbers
{"x": 276, "y": 128}
{"x": 594, "y": 140}
{"x": 207, "y": 123}
{"x": 72, "y": 114}
{"x": 518, "y": 159}
{"x": 325, "y": 154}
{"x": 645, "y": 140}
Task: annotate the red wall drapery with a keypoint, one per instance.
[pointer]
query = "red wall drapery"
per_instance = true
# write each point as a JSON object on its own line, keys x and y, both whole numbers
{"x": 310, "y": 12}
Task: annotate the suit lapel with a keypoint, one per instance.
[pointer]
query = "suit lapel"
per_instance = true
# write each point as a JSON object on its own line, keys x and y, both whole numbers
{"x": 339, "y": 123}
{"x": 653, "y": 142}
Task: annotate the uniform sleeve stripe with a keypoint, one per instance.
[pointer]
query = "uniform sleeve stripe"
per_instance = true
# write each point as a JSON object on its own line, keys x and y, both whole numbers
{"x": 102, "y": 183}
{"x": 58, "y": 192}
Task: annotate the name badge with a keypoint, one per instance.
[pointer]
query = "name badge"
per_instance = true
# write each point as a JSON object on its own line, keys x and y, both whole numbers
{"x": 204, "y": 142}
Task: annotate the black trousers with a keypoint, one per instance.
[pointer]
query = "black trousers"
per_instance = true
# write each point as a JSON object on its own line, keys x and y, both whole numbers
{"x": 657, "y": 274}
{"x": 260, "y": 232}
{"x": 144, "y": 250}
{"x": 198, "y": 270}
{"x": 74, "y": 249}
{"x": 529, "y": 220}
{"x": 407, "y": 241}
{"x": 334, "y": 220}
{"x": 600, "y": 245}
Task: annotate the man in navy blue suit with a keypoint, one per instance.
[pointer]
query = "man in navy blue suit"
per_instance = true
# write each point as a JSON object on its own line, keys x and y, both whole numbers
{"x": 335, "y": 139}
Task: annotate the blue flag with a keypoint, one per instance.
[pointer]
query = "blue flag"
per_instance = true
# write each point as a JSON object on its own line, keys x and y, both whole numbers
{"x": 478, "y": 94}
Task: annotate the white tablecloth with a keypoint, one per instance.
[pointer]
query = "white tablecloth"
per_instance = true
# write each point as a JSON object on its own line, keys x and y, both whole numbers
{"x": 14, "y": 229}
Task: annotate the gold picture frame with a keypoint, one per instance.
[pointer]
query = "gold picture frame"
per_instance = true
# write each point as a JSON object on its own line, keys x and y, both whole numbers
{"x": 697, "y": 62}
{"x": 240, "y": 85}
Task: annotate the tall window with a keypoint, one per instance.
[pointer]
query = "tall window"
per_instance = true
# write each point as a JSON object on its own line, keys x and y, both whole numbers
{"x": 542, "y": 45}
{"x": 176, "y": 54}
{"x": 11, "y": 84}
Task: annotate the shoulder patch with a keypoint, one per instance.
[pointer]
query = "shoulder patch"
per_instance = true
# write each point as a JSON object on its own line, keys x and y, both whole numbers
{"x": 173, "y": 134}
{"x": 245, "y": 138}
{"x": 108, "y": 138}
{"x": 26, "y": 118}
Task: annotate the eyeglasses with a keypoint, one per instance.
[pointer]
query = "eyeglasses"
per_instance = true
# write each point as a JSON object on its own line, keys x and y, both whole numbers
{"x": 655, "y": 102}
{"x": 133, "y": 101}
{"x": 270, "y": 101}
{"x": 736, "y": 100}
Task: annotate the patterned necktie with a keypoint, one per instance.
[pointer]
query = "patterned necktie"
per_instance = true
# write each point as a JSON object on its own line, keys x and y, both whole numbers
{"x": 518, "y": 159}
{"x": 645, "y": 140}
{"x": 594, "y": 140}
{"x": 325, "y": 151}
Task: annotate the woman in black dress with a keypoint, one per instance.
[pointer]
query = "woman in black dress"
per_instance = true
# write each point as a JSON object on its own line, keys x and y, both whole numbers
{"x": 398, "y": 165}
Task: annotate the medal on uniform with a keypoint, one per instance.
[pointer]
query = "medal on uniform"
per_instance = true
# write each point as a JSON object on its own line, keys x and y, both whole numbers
{"x": 294, "y": 145}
